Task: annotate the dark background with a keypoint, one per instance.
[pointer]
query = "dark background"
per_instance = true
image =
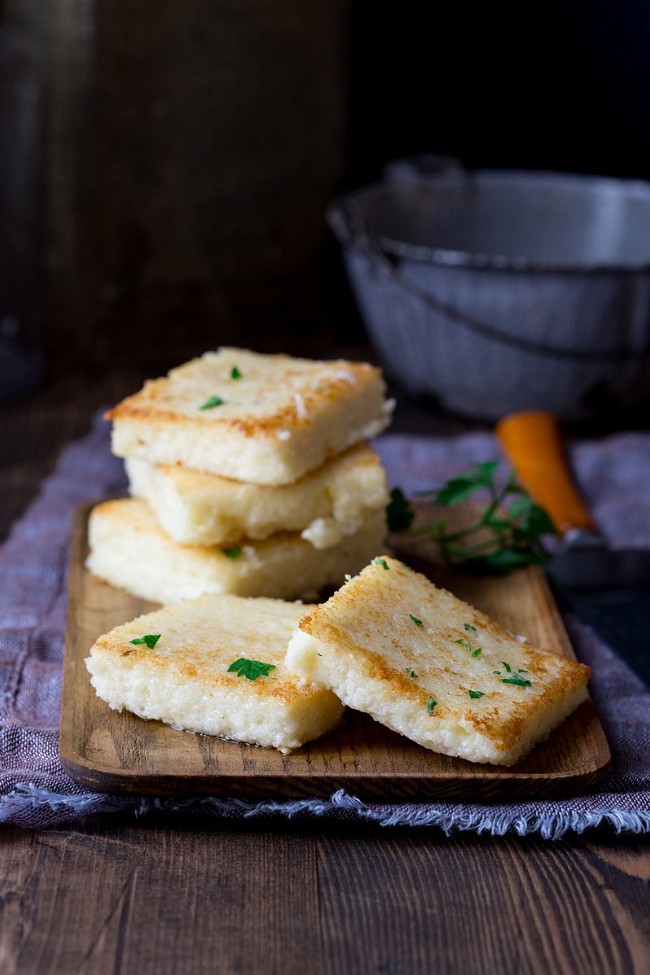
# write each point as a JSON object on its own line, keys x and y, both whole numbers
{"x": 182, "y": 156}
{"x": 560, "y": 85}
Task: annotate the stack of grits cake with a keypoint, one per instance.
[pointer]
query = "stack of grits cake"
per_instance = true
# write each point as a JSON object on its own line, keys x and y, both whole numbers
{"x": 249, "y": 474}
{"x": 254, "y": 488}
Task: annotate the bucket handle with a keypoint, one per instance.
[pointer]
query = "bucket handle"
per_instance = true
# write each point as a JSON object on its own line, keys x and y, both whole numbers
{"x": 347, "y": 221}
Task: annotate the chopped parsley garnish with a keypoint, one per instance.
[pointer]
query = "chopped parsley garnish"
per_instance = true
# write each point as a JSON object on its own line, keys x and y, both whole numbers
{"x": 508, "y": 531}
{"x": 382, "y": 562}
{"x": 517, "y": 680}
{"x": 149, "y": 640}
{"x": 212, "y": 402}
{"x": 506, "y": 666}
{"x": 431, "y": 703}
{"x": 233, "y": 552}
{"x": 252, "y": 669}
{"x": 416, "y": 620}
{"x": 411, "y": 673}
{"x": 475, "y": 694}
{"x": 475, "y": 651}
{"x": 469, "y": 627}
{"x": 235, "y": 373}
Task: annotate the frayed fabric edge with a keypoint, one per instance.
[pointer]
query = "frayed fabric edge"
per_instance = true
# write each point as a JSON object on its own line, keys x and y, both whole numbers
{"x": 550, "y": 826}
{"x": 52, "y": 808}
{"x": 26, "y": 797}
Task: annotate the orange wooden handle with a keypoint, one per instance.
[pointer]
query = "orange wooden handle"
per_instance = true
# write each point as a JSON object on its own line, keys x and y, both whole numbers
{"x": 533, "y": 443}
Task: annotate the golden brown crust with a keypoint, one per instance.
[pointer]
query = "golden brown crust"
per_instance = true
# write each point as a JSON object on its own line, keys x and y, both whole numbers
{"x": 415, "y": 641}
{"x": 280, "y": 418}
{"x": 316, "y": 384}
{"x": 200, "y": 639}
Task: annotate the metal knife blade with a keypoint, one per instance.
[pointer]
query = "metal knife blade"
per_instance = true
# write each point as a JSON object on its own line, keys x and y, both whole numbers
{"x": 607, "y": 588}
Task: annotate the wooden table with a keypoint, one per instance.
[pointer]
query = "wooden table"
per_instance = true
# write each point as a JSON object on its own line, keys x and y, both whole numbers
{"x": 110, "y": 895}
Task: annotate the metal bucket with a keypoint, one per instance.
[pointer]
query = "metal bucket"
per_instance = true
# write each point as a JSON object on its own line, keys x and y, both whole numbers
{"x": 494, "y": 291}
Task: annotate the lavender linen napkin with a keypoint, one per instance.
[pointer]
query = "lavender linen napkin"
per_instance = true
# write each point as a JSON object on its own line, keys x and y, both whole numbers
{"x": 34, "y": 790}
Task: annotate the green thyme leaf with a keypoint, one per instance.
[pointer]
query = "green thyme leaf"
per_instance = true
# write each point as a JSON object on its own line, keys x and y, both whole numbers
{"x": 516, "y": 679}
{"x": 233, "y": 552}
{"x": 462, "y": 642}
{"x": 477, "y": 652}
{"x": 506, "y": 666}
{"x": 411, "y": 673}
{"x": 212, "y": 402}
{"x": 235, "y": 373}
{"x": 531, "y": 516}
{"x": 475, "y": 694}
{"x": 416, "y": 620}
{"x": 507, "y": 533}
{"x": 149, "y": 640}
{"x": 251, "y": 669}
{"x": 382, "y": 562}
{"x": 431, "y": 704}
{"x": 469, "y": 627}
{"x": 399, "y": 512}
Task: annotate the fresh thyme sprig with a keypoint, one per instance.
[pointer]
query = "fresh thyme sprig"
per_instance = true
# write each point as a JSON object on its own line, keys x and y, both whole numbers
{"x": 508, "y": 532}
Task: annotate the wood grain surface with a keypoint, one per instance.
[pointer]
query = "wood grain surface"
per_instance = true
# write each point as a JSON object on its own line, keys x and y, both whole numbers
{"x": 167, "y": 897}
{"x": 111, "y": 751}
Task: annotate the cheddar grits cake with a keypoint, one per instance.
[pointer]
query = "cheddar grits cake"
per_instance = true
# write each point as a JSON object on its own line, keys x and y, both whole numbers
{"x": 206, "y": 509}
{"x": 129, "y": 550}
{"x": 267, "y": 419}
{"x": 214, "y": 665}
{"x": 428, "y": 665}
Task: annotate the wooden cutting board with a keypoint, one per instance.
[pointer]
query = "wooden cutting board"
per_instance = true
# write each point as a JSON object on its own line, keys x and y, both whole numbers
{"x": 108, "y": 751}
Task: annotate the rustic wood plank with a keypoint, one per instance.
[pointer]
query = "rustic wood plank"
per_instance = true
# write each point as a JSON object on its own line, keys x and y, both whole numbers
{"x": 112, "y": 751}
{"x": 163, "y": 897}
{"x": 473, "y": 905}
{"x": 157, "y": 900}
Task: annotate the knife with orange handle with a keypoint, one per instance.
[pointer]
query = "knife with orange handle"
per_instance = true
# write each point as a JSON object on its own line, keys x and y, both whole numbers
{"x": 533, "y": 442}
{"x": 607, "y": 587}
